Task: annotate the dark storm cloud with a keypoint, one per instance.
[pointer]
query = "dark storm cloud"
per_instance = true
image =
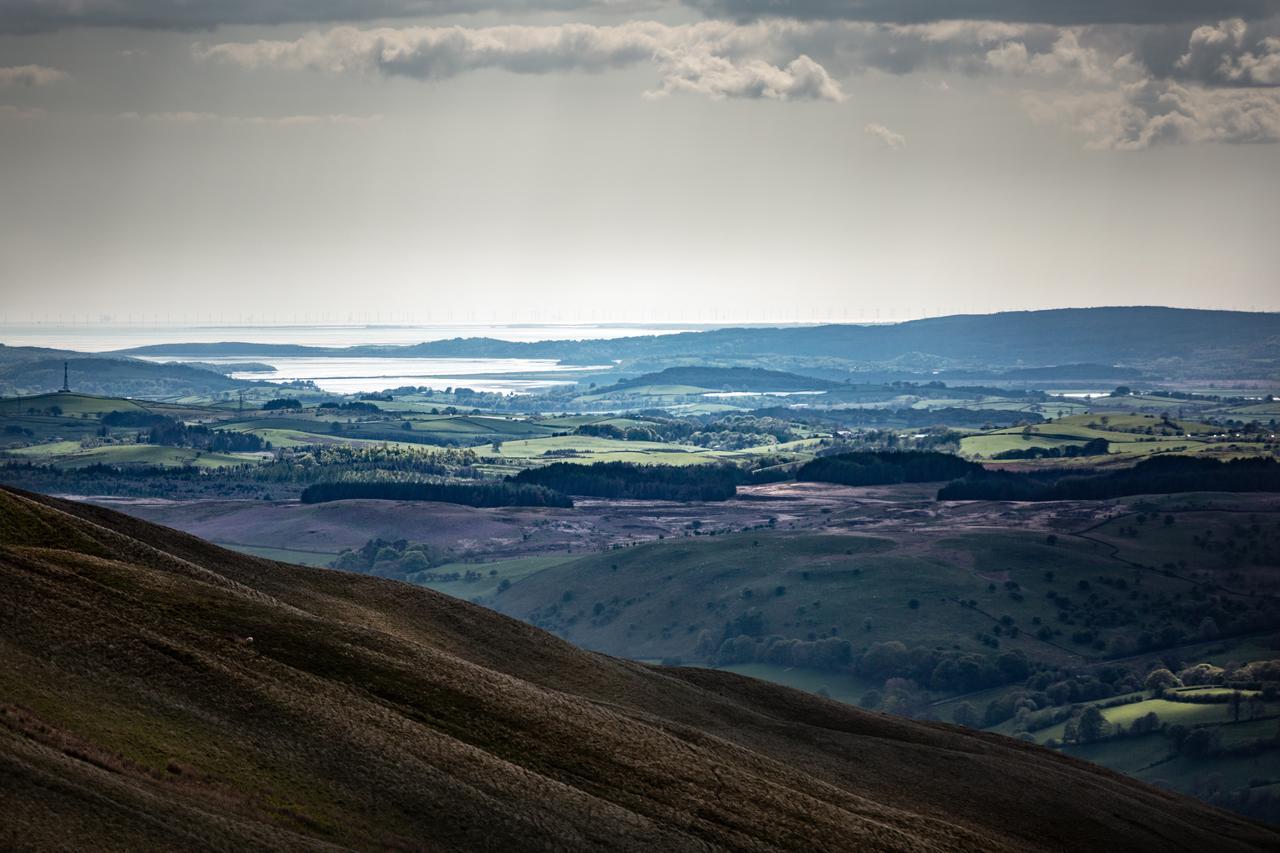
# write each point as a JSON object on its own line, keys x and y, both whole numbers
{"x": 1058, "y": 12}
{"x": 33, "y": 16}
{"x": 27, "y": 16}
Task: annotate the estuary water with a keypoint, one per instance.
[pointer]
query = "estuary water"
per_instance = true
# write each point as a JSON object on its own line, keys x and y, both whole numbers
{"x": 350, "y": 375}
{"x": 359, "y": 375}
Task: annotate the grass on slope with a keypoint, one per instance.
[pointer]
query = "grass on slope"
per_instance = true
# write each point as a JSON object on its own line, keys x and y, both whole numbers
{"x": 69, "y": 454}
{"x": 654, "y": 600}
{"x": 159, "y": 692}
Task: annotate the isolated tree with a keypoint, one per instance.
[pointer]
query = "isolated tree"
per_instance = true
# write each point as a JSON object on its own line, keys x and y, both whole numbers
{"x": 1159, "y": 681}
{"x": 1070, "y": 732}
{"x": 1145, "y": 724}
{"x": 1093, "y": 726}
{"x": 1202, "y": 743}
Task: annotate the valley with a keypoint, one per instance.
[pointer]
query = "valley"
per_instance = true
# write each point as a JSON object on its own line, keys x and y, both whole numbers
{"x": 974, "y": 551}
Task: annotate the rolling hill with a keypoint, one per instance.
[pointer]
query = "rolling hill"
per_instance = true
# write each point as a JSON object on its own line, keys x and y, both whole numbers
{"x": 113, "y": 377}
{"x": 160, "y": 692}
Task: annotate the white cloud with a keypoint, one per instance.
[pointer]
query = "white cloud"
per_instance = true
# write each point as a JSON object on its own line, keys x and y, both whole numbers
{"x": 1097, "y": 80}
{"x": 713, "y": 58}
{"x": 1159, "y": 112}
{"x": 31, "y": 75}
{"x": 1066, "y": 57}
{"x": 701, "y": 73}
{"x": 888, "y": 138}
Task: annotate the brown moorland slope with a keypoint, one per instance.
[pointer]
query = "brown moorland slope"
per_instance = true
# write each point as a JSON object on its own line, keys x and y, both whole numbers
{"x": 159, "y": 692}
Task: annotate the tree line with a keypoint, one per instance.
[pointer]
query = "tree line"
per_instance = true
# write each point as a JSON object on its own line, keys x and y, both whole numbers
{"x": 1159, "y": 475}
{"x": 172, "y": 432}
{"x": 477, "y": 494}
{"x": 873, "y": 468}
{"x": 1093, "y": 447}
{"x": 626, "y": 480}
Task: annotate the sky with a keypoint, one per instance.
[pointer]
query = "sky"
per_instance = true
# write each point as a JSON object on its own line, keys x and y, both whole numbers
{"x": 634, "y": 160}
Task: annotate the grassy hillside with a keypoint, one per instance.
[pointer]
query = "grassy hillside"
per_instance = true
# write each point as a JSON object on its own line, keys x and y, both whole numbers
{"x": 655, "y": 600}
{"x": 161, "y": 692}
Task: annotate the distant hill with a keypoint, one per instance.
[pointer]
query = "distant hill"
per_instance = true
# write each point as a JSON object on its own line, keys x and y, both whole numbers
{"x": 12, "y": 355}
{"x": 114, "y": 377}
{"x": 1050, "y": 372}
{"x": 1170, "y": 340}
{"x": 161, "y": 693}
{"x": 749, "y": 379}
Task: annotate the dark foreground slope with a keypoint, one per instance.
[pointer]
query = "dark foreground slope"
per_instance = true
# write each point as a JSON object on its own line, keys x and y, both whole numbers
{"x": 157, "y": 691}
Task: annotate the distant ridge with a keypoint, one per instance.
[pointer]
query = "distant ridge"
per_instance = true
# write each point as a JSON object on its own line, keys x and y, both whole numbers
{"x": 161, "y": 693}
{"x": 1129, "y": 336}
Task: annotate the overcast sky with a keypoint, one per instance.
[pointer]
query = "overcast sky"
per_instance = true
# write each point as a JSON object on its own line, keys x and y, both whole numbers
{"x": 438, "y": 160}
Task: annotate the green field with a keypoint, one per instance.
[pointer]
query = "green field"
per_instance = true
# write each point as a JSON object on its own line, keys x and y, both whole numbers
{"x": 69, "y": 454}
{"x": 71, "y": 404}
{"x": 1171, "y": 713}
{"x": 1124, "y": 432}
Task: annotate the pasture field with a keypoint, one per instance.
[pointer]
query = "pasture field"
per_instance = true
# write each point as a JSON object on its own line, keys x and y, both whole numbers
{"x": 78, "y": 405}
{"x": 1153, "y": 758}
{"x": 1125, "y": 433}
{"x": 1173, "y": 713}
{"x": 70, "y": 454}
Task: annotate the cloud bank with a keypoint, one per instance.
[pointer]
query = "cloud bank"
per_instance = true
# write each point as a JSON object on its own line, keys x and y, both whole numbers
{"x": 715, "y": 59}
{"x": 26, "y": 16}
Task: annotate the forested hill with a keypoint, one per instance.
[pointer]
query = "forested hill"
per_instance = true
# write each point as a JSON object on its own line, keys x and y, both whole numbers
{"x": 161, "y": 693}
{"x": 1130, "y": 336}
